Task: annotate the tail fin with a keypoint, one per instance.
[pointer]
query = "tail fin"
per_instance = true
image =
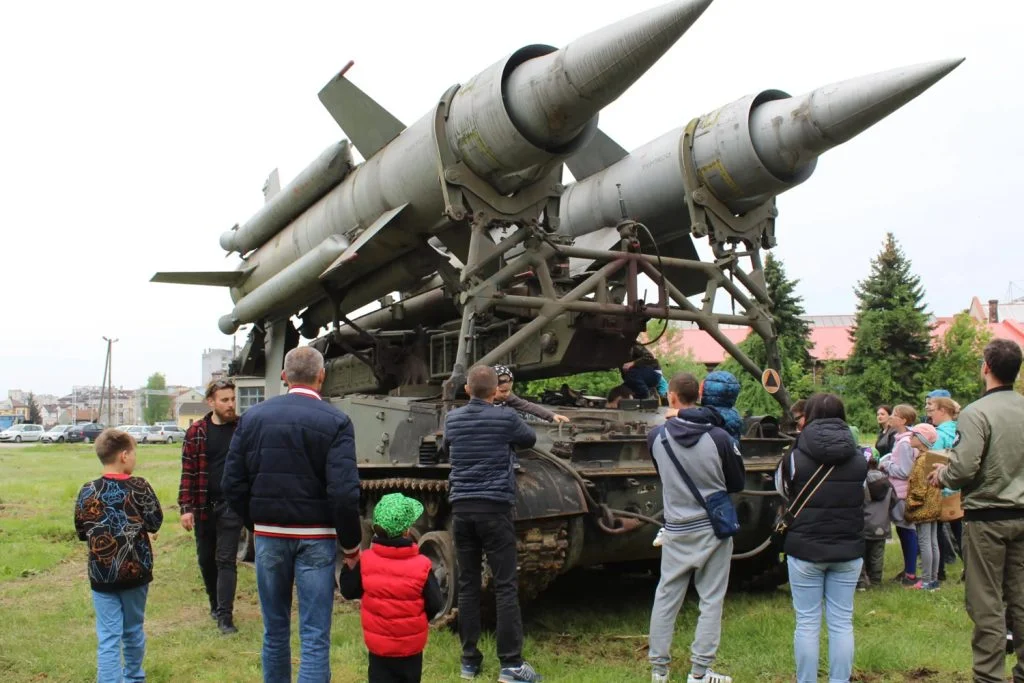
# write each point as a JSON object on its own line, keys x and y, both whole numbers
{"x": 211, "y": 278}
{"x": 367, "y": 124}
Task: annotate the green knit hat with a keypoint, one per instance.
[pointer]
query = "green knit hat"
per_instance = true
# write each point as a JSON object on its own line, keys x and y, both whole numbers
{"x": 394, "y": 513}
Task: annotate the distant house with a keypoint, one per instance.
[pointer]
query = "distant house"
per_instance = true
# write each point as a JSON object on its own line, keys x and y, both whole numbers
{"x": 191, "y": 411}
{"x": 830, "y": 334}
{"x": 189, "y": 406}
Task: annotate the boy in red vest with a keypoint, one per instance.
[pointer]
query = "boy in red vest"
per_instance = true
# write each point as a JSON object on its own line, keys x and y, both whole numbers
{"x": 399, "y": 593}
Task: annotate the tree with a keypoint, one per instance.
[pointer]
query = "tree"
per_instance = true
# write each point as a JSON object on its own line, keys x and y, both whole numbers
{"x": 599, "y": 383}
{"x": 34, "y": 416}
{"x": 158, "y": 405}
{"x": 753, "y": 399}
{"x": 891, "y": 333}
{"x": 787, "y": 308}
{"x": 957, "y": 359}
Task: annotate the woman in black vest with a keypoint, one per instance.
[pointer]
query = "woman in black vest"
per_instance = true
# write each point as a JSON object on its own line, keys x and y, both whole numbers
{"x": 886, "y": 434}
{"x": 824, "y": 544}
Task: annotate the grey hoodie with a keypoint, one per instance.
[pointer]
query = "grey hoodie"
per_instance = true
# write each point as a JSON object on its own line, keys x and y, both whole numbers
{"x": 707, "y": 453}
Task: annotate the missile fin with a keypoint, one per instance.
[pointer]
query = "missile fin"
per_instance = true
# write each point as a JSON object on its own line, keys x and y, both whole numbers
{"x": 371, "y": 233}
{"x": 367, "y": 124}
{"x": 210, "y": 278}
{"x": 271, "y": 186}
{"x": 597, "y": 155}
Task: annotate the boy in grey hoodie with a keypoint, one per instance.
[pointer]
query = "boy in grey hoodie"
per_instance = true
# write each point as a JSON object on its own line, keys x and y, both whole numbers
{"x": 879, "y": 500}
{"x": 690, "y": 548}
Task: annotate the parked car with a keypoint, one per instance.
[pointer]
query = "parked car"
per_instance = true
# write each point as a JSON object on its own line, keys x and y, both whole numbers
{"x": 56, "y": 434}
{"x": 22, "y": 432}
{"x": 84, "y": 432}
{"x": 165, "y": 434}
{"x": 140, "y": 432}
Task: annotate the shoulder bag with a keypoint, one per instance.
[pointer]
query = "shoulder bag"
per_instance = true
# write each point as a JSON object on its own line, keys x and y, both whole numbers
{"x": 718, "y": 505}
{"x": 789, "y": 512}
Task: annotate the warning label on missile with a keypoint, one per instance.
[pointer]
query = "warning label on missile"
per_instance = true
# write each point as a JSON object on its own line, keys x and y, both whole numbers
{"x": 771, "y": 381}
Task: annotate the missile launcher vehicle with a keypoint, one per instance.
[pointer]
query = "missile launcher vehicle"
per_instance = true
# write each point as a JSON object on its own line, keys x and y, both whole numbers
{"x": 461, "y": 229}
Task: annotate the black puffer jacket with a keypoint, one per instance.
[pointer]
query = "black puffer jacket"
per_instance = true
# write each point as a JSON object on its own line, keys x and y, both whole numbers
{"x": 479, "y": 438}
{"x": 830, "y": 527}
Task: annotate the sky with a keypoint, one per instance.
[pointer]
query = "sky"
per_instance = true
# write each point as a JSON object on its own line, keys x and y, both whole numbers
{"x": 133, "y": 134}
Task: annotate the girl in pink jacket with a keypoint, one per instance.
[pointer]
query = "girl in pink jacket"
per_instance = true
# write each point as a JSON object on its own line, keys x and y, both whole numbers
{"x": 898, "y": 465}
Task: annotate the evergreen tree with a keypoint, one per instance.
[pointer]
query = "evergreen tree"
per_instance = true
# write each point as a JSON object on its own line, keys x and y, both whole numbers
{"x": 957, "y": 360}
{"x": 34, "y": 416}
{"x": 891, "y": 333}
{"x": 793, "y": 331}
{"x": 158, "y": 405}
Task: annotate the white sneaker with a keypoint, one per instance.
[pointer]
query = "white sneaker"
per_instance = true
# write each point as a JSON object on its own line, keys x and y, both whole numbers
{"x": 709, "y": 677}
{"x": 657, "y": 539}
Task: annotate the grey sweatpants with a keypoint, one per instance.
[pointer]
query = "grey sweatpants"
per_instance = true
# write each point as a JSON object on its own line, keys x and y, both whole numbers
{"x": 928, "y": 541}
{"x": 706, "y": 558}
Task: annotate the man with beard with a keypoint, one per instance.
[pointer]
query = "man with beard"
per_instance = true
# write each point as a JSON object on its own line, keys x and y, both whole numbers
{"x": 202, "y": 503}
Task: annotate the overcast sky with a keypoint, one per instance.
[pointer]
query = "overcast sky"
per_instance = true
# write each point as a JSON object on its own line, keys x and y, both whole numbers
{"x": 133, "y": 134}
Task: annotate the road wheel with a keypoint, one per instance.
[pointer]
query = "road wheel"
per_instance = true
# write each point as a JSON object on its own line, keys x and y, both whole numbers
{"x": 440, "y": 549}
{"x": 170, "y": 439}
{"x": 88, "y": 440}
{"x": 17, "y": 439}
{"x": 60, "y": 439}
{"x": 246, "y": 546}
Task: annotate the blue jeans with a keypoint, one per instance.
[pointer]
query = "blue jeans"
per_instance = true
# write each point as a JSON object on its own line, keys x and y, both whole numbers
{"x": 119, "y": 617}
{"x": 308, "y": 564}
{"x": 835, "y": 583}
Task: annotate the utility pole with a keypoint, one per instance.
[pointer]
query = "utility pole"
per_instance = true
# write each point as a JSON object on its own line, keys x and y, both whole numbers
{"x": 108, "y": 382}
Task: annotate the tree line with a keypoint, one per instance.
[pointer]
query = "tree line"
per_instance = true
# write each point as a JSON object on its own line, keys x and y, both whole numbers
{"x": 894, "y": 358}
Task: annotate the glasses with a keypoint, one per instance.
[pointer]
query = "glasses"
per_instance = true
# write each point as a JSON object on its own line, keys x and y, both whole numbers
{"x": 217, "y": 385}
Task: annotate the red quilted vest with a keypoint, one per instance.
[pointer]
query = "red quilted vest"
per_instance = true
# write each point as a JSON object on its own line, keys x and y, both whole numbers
{"x": 393, "y": 614}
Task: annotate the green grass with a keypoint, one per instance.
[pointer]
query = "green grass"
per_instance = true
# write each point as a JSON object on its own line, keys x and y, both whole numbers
{"x": 588, "y": 627}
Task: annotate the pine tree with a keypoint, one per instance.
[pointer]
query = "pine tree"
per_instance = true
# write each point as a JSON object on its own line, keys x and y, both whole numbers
{"x": 34, "y": 415}
{"x": 891, "y": 334}
{"x": 792, "y": 330}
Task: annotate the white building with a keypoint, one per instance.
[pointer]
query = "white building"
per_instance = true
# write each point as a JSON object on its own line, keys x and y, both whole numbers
{"x": 215, "y": 364}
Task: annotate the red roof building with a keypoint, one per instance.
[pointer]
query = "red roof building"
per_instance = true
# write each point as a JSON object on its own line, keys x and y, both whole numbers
{"x": 830, "y": 334}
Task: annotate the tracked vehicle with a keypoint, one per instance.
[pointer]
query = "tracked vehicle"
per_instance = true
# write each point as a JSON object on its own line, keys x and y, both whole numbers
{"x": 460, "y": 229}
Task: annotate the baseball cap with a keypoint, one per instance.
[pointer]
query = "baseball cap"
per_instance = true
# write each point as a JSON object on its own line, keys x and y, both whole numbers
{"x": 926, "y": 433}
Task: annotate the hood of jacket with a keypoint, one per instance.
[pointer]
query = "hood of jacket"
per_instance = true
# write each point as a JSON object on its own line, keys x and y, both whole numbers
{"x": 828, "y": 442}
{"x": 691, "y": 424}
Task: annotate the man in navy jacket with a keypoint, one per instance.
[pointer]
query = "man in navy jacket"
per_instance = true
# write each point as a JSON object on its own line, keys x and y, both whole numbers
{"x": 291, "y": 471}
{"x": 479, "y": 438}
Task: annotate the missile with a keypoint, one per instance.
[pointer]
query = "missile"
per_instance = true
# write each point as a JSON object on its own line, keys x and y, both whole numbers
{"x": 363, "y": 232}
{"x": 286, "y": 290}
{"x": 511, "y": 125}
{"x": 312, "y": 183}
{"x": 744, "y": 152}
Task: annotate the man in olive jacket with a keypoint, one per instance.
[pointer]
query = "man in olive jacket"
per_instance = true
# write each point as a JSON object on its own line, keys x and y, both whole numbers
{"x": 987, "y": 464}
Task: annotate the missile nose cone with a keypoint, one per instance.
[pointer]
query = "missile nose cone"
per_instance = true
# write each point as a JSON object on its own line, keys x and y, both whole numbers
{"x": 552, "y": 97}
{"x": 791, "y": 133}
{"x": 227, "y": 324}
{"x": 601, "y": 65}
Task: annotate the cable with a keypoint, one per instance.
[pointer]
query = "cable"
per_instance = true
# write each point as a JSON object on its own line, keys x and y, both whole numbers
{"x": 663, "y": 288}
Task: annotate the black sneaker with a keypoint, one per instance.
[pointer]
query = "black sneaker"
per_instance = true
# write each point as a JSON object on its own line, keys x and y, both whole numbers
{"x": 226, "y": 626}
{"x": 213, "y": 613}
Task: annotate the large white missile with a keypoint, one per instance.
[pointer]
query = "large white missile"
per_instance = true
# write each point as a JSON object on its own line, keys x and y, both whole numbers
{"x": 510, "y": 124}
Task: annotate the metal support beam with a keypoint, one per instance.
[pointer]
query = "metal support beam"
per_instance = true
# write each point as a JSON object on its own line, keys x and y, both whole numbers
{"x": 549, "y": 311}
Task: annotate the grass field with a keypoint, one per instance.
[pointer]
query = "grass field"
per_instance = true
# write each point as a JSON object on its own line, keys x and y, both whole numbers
{"x": 589, "y": 626}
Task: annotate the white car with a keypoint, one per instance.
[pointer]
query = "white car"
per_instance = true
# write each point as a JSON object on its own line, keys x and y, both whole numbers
{"x": 56, "y": 434}
{"x": 165, "y": 434}
{"x": 140, "y": 432}
{"x": 22, "y": 432}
